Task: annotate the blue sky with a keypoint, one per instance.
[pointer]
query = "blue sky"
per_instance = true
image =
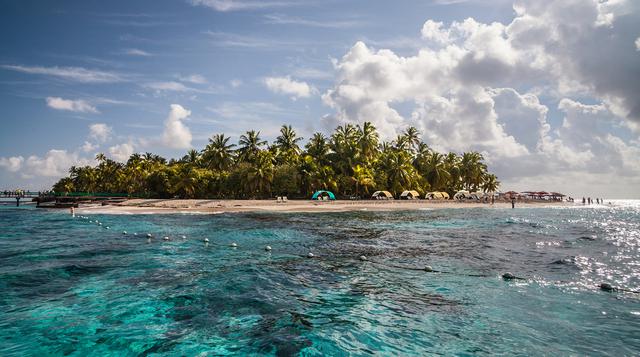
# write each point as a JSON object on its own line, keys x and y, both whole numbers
{"x": 80, "y": 77}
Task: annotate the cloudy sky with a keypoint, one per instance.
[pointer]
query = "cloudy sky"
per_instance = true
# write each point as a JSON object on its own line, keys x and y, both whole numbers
{"x": 549, "y": 91}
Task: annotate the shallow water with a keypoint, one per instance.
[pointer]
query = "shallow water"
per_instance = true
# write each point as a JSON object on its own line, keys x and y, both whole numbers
{"x": 71, "y": 287}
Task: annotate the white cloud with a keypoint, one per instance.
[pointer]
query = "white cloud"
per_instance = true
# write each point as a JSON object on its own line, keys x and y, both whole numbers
{"x": 100, "y": 131}
{"x": 168, "y": 86}
{"x": 226, "y": 39}
{"x": 55, "y": 163}
{"x": 637, "y": 44}
{"x": 194, "y": 78}
{"x": 433, "y": 31}
{"x": 136, "y": 52}
{"x": 12, "y": 164}
{"x": 473, "y": 87}
{"x": 235, "y": 83}
{"x": 279, "y": 19}
{"x": 121, "y": 152}
{"x": 71, "y": 105}
{"x": 288, "y": 86}
{"x": 88, "y": 146}
{"x": 77, "y": 74}
{"x": 177, "y": 135}
{"x": 236, "y": 5}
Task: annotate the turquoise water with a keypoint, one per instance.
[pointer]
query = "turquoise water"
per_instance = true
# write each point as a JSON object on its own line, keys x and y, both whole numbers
{"x": 71, "y": 287}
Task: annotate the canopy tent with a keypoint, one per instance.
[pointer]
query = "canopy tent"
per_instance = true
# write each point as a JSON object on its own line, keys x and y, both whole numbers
{"x": 382, "y": 195}
{"x": 437, "y": 196}
{"x": 460, "y": 195}
{"x": 320, "y": 194}
{"x": 409, "y": 195}
{"x": 478, "y": 195}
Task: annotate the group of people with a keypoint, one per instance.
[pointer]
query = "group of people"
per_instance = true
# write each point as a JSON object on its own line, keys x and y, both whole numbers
{"x": 22, "y": 193}
{"x": 14, "y": 193}
{"x": 589, "y": 201}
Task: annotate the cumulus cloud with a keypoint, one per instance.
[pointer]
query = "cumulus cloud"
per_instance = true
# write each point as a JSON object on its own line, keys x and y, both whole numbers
{"x": 79, "y": 105}
{"x": 176, "y": 135}
{"x": 55, "y": 163}
{"x": 288, "y": 86}
{"x": 121, "y": 152}
{"x": 12, "y": 164}
{"x": 88, "y": 146}
{"x": 476, "y": 86}
{"x": 100, "y": 131}
{"x": 77, "y": 74}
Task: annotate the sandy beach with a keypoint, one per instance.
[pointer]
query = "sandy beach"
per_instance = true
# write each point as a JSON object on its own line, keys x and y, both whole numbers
{"x": 168, "y": 206}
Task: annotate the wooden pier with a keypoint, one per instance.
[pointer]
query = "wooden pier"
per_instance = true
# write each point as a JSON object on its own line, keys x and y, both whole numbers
{"x": 63, "y": 199}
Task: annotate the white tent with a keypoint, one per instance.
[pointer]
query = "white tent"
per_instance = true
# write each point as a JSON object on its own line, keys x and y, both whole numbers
{"x": 410, "y": 195}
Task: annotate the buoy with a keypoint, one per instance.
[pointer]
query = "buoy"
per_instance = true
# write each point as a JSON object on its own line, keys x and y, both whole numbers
{"x": 428, "y": 269}
{"x": 267, "y": 248}
{"x": 107, "y": 227}
{"x": 233, "y": 245}
{"x": 99, "y": 223}
{"x": 508, "y": 276}
{"x": 124, "y": 232}
{"x": 166, "y": 238}
{"x": 148, "y": 235}
{"x": 206, "y": 240}
{"x": 606, "y": 287}
{"x": 363, "y": 258}
{"x": 135, "y": 234}
{"x": 184, "y": 237}
{"x": 310, "y": 255}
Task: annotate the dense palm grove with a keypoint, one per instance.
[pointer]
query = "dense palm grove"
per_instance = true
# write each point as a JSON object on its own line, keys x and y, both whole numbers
{"x": 351, "y": 162}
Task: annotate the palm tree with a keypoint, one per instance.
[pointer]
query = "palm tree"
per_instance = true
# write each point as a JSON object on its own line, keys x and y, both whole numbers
{"x": 490, "y": 183}
{"x": 362, "y": 177}
{"x": 260, "y": 174}
{"x": 250, "y": 144}
{"x": 317, "y": 147}
{"x": 218, "y": 154}
{"x": 436, "y": 173}
{"x": 472, "y": 169}
{"x": 399, "y": 170}
{"x": 287, "y": 143}
{"x": 192, "y": 157}
{"x": 368, "y": 141}
{"x": 412, "y": 137}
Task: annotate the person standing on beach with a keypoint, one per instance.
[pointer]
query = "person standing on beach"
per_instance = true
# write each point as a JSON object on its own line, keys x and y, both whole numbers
{"x": 513, "y": 202}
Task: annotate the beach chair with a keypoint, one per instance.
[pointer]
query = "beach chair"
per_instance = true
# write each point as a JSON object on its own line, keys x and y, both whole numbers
{"x": 278, "y": 199}
{"x": 284, "y": 199}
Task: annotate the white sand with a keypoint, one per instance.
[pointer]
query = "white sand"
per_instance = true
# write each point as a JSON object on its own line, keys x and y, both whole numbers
{"x": 151, "y": 206}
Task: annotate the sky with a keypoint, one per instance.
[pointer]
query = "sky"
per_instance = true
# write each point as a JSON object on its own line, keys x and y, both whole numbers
{"x": 548, "y": 91}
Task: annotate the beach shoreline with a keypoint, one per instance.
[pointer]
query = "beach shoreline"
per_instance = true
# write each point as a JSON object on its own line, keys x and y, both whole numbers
{"x": 204, "y": 206}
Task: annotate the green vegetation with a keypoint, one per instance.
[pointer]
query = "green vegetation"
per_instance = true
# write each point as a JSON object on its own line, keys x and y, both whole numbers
{"x": 352, "y": 162}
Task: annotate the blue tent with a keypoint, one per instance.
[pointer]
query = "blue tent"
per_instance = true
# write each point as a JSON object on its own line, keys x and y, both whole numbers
{"x": 321, "y": 193}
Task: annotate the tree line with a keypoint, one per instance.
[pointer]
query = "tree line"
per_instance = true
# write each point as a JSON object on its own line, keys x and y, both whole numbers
{"x": 352, "y": 161}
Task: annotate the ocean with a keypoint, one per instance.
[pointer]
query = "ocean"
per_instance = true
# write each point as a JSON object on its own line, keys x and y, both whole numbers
{"x": 69, "y": 286}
